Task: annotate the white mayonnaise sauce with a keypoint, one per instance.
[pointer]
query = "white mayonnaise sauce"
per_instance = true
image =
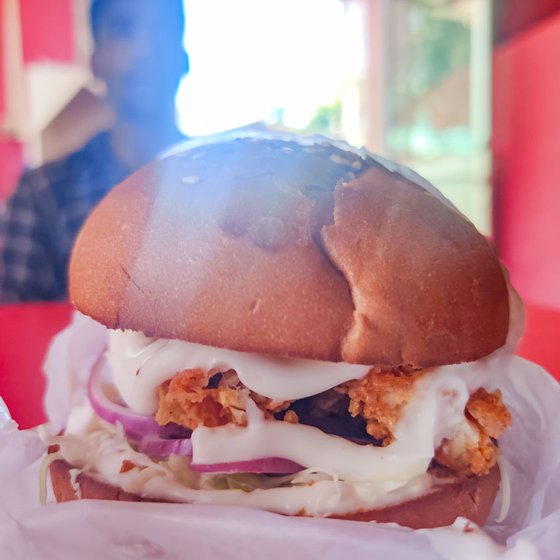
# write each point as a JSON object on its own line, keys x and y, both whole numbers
{"x": 140, "y": 364}
{"x": 435, "y": 411}
{"x": 99, "y": 449}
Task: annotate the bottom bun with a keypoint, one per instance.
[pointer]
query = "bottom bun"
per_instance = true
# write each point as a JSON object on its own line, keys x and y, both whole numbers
{"x": 466, "y": 497}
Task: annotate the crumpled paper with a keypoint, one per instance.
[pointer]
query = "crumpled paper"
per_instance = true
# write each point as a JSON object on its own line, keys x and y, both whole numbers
{"x": 116, "y": 530}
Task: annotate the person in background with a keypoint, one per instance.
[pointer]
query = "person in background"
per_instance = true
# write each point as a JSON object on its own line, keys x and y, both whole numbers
{"x": 139, "y": 54}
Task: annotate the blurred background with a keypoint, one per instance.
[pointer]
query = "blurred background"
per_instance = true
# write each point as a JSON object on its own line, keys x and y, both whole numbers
{"x": 467, "y": 92}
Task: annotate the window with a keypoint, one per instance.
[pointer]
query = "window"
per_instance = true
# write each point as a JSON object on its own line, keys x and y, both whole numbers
{"x": 436, "y": 96}
{"x": 409, "y": 79}
{"x": 288, "y": 63}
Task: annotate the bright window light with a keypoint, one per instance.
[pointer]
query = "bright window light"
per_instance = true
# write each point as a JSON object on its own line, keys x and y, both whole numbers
{"x": 284, "y": 62}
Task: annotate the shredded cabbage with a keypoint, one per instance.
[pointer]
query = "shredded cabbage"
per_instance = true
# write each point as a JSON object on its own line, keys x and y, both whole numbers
{"x": 247, "y": 482}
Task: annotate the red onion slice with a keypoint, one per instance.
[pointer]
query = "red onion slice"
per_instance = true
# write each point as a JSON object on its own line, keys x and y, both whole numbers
{"x": 159, "y": 447}
{"x": 269, "y": 465}
{"x": 135, "y": 425}
{"x": 148, "y": 433}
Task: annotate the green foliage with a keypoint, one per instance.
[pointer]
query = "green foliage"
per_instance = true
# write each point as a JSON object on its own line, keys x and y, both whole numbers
{"x": 327, "y": 120}
{"x": 438, "y": 48}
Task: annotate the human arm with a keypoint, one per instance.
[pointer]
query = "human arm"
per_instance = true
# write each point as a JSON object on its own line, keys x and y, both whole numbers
{"x": 27, "y": 259}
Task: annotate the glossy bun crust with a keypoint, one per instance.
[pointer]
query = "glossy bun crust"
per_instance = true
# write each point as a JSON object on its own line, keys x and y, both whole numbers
{"x": 276, "y": 247}
{"x": 471, "y": 498}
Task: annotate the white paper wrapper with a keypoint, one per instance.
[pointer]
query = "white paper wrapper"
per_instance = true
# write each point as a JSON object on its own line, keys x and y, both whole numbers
{"x": 111, "y": 530}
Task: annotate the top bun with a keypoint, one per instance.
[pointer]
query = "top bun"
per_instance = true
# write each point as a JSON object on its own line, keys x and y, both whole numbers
{"x": 292, "y": 249}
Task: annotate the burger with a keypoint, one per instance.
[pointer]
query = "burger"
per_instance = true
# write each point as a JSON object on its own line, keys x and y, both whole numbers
{"x": 292, "y": 325}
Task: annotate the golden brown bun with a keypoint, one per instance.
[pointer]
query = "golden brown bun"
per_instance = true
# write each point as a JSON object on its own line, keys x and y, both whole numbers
{"x": 471, "y": 498}
{"x": 274, "y": 247}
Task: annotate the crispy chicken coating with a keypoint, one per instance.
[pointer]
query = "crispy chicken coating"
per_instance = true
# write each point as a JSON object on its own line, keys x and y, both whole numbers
{"x": 489, "y": 412}
{"x": 195, "y": 398}
{"x": 488, "y": 418}
{"x": 379, "y": 399}
{"x": 477, "y": 455}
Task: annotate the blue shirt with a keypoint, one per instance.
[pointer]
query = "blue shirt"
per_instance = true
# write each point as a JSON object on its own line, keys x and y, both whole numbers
{"x": 43, "y": 217}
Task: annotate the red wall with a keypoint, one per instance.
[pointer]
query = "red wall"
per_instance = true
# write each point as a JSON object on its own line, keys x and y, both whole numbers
{"x": 515, "y": 16}
{"x": 10, "y": 165}
{"x": 47, "y": 29}
{"x": 2, "y": 70}
{"x": 25, "y": 333}
{"x": 10, "y": 150}
{"x": 526, "y": 145}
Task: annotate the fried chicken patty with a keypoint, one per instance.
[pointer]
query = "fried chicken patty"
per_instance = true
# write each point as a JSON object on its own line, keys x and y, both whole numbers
{"x": 195, "y": 398}
{"x": 367, "y": 407}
